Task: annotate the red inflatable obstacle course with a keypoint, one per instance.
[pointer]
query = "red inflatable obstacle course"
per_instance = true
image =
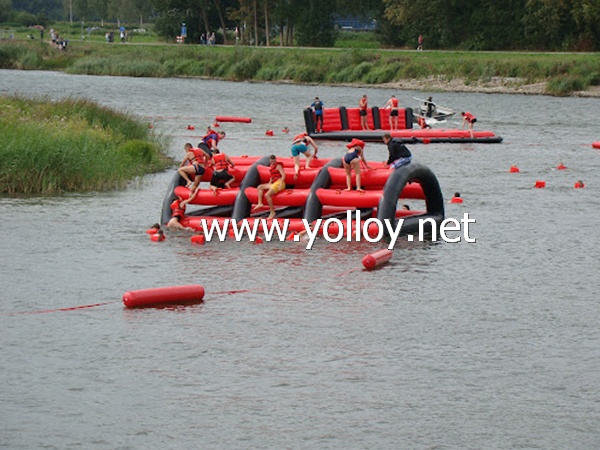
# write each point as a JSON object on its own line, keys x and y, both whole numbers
{"x": 376, "y": 259}
{"x": 172, "y": 295}
{"x": 233, "y": 119}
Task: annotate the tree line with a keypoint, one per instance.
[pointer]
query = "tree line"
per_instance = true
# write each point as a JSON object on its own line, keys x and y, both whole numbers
{"x": 567, "y": 25}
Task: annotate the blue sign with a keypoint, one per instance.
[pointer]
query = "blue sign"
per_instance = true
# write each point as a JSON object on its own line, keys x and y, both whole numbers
{"x": 184, "y": 31}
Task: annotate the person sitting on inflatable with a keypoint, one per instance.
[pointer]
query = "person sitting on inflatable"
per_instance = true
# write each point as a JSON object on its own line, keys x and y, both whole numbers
{"x": 399, "y": 154}
{"x": 300, "y": 145}
{"x": 352, "y": 160}
{"x": 470, "y": 119}
{"x": 210, "y": 141}
{"x": 221, "y": 178}
{"x": 275, "y": 185}
{"x": 192, "y": 164}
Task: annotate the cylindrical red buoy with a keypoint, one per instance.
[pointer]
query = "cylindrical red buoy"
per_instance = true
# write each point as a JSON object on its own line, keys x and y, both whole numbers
{"x": 540, "y": 184}
{"x": 198, "y": 239}
{"x": 514, "y": 169}
{"x": 163, "y": 296}
{"x": 596, "y": 144}
{"x": 561, "y": 166}
{"x": 376, "y": 259}
{"x": 579, "y": 184}
{"x": 258, "y": 240}
{"x": 191, "y": 127}
{"x": 269, "y": 133}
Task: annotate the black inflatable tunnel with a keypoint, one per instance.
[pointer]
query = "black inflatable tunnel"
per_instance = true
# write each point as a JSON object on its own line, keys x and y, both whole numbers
{"x": 314, "y": 208}
{"x": 393, "y": 187}
{"x": 242, "y": 206}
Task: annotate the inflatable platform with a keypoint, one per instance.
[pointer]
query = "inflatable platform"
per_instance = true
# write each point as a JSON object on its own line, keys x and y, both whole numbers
{"x": 317, "y": 193}
{"x": 343, "y": 124}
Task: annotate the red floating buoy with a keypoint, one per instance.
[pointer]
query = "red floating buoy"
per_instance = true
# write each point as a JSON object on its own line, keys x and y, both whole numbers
{"x": 579, "y": 184}
{"x": 269, "y": 133}
{"x": 163, "y": 296}
{"x": 258, "y": 240}
{"x": 191, "y": 127}
{"x": 596, "y": 144}
{"x": 377, "y": 258}
{"x": 561, "y": 166}
{"x": 514, "y": 169}
{"x": 540, "y": 184}
{"x": 233, "y": 119}
{"x": 216, "y": 124}
{"x": 198, "y": 239}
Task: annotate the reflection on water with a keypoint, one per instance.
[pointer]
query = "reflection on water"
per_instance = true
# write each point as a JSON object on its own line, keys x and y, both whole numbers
{"x": 449, "y": 345}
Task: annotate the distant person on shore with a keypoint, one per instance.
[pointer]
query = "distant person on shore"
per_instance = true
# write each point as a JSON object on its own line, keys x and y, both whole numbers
{"x": 317, "y": 107}
{"x": 363, "y": 107}
{"x": 469, "y": 119}
{"x": 300, "y": 145}
{"x": 275, "y": 185}
{"x": 399, "y": 154}
{"x": 352, "y": 161}
{"x": 221, "y": 178}
{"x": 393, "y": 104}
{"x": 193, "y": 163}
{"x": 420, "y": 43}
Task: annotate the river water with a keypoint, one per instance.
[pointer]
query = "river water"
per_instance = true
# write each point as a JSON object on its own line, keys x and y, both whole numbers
{"x": 486, "y": 345}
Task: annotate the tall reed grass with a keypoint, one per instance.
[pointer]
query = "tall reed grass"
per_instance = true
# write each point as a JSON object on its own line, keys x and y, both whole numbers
{"x": 72, "y": 146}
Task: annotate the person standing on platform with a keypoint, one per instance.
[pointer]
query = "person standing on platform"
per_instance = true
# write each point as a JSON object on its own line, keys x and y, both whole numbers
{"x": 317, "y": 107}
{"x": 469, "y": 119}
{"x": 393, "y": 104}
{"x": 363, "y": 108}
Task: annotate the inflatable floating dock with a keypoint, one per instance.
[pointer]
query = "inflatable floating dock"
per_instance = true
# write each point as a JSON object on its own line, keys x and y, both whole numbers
{"x": 317, "y": 193}
{"x": 343, "y": 124}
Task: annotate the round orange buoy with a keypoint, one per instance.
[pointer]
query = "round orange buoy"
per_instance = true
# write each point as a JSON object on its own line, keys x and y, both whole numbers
{"x": 158, "y": 237}
{"x": 514, "y": 169}
{"x": 377, "y": 258}
{"x": 191, "y": 127}
{"x": 540, "y": 184}
{"x": 269, "y": 132}
{"x": 426, "y": 141}
{"x": 198, "y": 239}
{"x": 163, "y": 296}
{"x": 561, "y": 166}
{"x": 579, "y": 184}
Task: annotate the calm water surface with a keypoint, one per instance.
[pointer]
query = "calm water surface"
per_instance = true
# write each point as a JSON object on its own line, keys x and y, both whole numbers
{"x": 492, "y": 345}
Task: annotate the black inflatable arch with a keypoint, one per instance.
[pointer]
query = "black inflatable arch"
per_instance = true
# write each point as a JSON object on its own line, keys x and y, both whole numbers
{"x": 395, "y": 184}
{"x": 242, "y": 206}
{"x": 313, "y": 209}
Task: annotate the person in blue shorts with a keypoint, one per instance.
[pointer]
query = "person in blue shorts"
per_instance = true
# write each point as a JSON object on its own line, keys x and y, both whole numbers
{"x": 300, "y": 145}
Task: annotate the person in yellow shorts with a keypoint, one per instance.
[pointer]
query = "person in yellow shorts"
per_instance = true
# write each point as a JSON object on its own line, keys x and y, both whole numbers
{"x": 275, "y": 185}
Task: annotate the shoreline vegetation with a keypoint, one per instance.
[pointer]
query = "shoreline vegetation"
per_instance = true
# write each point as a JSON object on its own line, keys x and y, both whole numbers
{"x": 558, "y": 74}
{"x": 70, "y": 145}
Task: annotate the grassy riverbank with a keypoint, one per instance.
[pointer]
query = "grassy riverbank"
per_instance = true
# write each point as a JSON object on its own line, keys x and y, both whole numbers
{"x": 71, "y": 146}
{"x": 559, "y": 73}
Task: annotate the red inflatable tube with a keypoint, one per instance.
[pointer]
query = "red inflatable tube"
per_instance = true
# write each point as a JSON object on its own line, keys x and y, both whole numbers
{"x": 287, "y": 197}
{"x": 171, "y": 295}
{"x": 376, "y": 259}
{"x": 596, "y": 144}
{"x": 305, "y": 176}
{"x": 233, "y": 119}
{"x": 359, "y": 199}
{"x": 208, "y": 197}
